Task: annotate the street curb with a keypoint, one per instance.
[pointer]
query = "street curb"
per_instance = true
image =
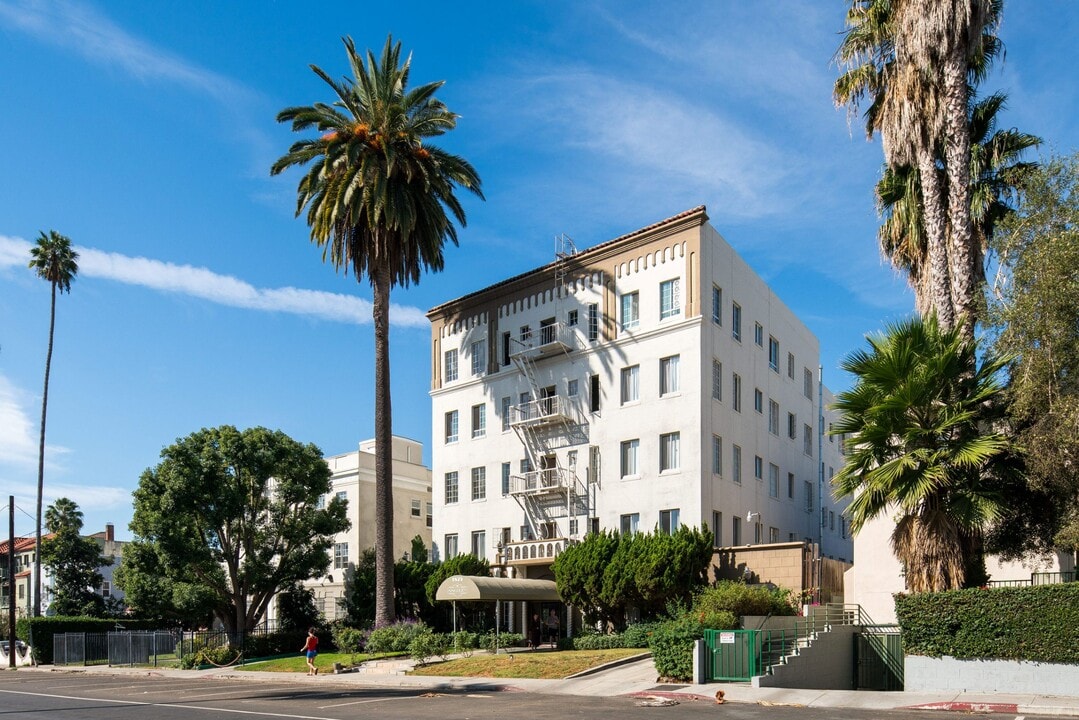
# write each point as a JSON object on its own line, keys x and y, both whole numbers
{"x": 989, "y": 707}
{"x": 608, "y": 666}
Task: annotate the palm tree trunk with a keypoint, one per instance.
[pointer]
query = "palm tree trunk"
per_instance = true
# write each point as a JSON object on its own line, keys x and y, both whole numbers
{"x": 961, "y": 266}
{"x": 939, "y": 286}
{"x": 41, "y": 459}
{"x": 384, "y": 581}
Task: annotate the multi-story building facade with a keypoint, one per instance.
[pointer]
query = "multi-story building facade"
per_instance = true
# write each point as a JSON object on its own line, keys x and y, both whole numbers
{"x": 353, "y": 480}
{"x": 650, "y": 381}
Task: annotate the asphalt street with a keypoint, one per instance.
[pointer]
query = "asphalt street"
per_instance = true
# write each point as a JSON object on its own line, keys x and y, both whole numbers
{"x": 68, "y": 696}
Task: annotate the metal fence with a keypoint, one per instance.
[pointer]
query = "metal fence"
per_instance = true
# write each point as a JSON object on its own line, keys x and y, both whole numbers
{"x": 153, "y": 647}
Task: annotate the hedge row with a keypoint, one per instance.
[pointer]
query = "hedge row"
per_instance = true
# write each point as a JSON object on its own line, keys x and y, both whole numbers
{"x": 1023, "y": 623}
{"x": 38, "y": 631}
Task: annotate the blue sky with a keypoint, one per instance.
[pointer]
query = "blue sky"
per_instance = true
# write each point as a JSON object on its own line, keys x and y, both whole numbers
{"x": 145, "y": 132}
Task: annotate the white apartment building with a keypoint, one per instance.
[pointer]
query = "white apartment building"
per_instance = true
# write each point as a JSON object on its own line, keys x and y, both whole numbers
{"x": 353, "y": 480}
{"x": 650, "y": 381}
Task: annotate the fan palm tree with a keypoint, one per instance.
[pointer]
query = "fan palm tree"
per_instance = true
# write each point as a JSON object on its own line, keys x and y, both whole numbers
{"x": 64, "y": 512}
{"x": 380, "y": 202}
{"x": 54, "y": 261}
{"x": 894, "y": 65}
{"x": 919, "y": 419}
{"x": 996, "y": 171}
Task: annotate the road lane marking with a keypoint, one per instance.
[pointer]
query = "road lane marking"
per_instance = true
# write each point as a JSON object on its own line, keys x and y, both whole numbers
{"x": 178, "y": 706}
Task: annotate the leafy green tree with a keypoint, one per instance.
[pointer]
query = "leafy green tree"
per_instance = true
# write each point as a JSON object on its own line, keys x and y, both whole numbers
{"x": 607, "y": 573}
{"x": 419, "y": 549}
{"x": 54, "y": 261}
{"x": 162, "y": 596}
{"x": 234, "y": 515}
{"x": 925, "y": 441}
{"x": 1034, "y": 311}
{"x": 73, "y": 561}
{"x": 379, "y": 202}
{"x": 296, "y": 609}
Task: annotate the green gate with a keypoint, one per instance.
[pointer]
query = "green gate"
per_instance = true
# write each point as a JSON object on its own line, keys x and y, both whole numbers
{"x": 878, "y": 658}
{"x": 732, "y": 655}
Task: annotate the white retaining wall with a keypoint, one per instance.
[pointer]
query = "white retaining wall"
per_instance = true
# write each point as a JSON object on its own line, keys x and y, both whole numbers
{"x": 925, "y": 674}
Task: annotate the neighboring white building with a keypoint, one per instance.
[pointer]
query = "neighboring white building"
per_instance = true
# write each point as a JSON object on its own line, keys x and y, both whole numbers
{"x": 650, "y": 381}
{"x": 354, "y": 480}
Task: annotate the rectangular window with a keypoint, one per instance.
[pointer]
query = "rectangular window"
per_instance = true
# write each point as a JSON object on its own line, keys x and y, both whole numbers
{"x": 807, "y": 440}
{"x": 773, "y": 534}
{"x": 593, "y": 387}
{"x": 506, "y": 478}
{"x": 631, "y": 309}
{"x": 717, "y": 529}
{"x": 451, "y": 487}
{"x": 451, "y": 426}
{"x": 668, "y": 521}
{"x": 526, "y": 466}
{"x": 668, "y": 451}
{"x": 571, "y": 318}
{"x": 593, "y": 322}
{"x": 792, "y": 426}
{"x": 526, "y": 533}
{"x": 342, "y": 496}
{"x": 571, "y": 388}
{"x": 736, "y": 392}
{"x": 773, "y": 480}
{"x": 773, "y": 417}
{"x": 736, "y": 321}
{"x": 631, "y": 384}
{"x": 479, "y": 544}
{"x": 758, "y": 400}
{"x": 106, "y": 589}
{"x": 843, "y": 527}
{"x": 831, "y": 520}
{"x": 736, "y": 530}
{"x": 809, "y": 496}
{"x": 807, "y": 384}
{"x": 573, "y": 527}
{"x": 717, "y": 379}
{"x": 790, "y": 365}
{"x": 506, "y": 402}
{"x": 717, "y": 305}
{"x": 526, "y": 335}
{"x": 630, "y": 449}
{"x": 717, "y": 455}
{"x": 430, "y": 508}
{"x": 479, "y": 421}
{"x": 629, "y": 523}
{"x": 668, "y": 375}
{"x": 670, "y": 304}
{"x": 451, "y": 365}
{"x": 417, "y": 508}
{"x": 758, "y": 533}
{"x": 758, "y": 467}
{"x": 506, "y": 346}
{"x": 340, "y": 556}
{"x": 479, "y": 358}
{"x": 758, "y": 334}
{"x": 479, "y": 483}
{"x": 773, "y": 354}
{"x": 736, "y": 464}
{"x": 790, "y": 485}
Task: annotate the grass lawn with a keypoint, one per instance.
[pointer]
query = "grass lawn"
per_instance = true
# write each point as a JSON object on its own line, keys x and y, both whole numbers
{"x": 546, "y": 665}
{"x": 324, "y": 662}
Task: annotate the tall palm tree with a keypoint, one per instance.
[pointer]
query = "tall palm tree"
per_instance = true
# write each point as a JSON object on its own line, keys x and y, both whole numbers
{"x": 64, "y": 512}
{"x": 912, "y": 90}
{"x": 920, "y": 421}
{"x": 379, "y": 202}
{"x": 54, "y": 261}
{"x": 996, "y": 171}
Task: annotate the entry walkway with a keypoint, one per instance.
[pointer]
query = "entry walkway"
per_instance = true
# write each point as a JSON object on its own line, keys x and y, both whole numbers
{"x": 639, "y": 679}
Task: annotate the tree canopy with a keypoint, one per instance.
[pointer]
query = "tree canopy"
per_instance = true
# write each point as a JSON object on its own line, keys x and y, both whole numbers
{"x": 228, "y": 519}
{"x": 607, "y": 573}
{"x": 74, "y": 562}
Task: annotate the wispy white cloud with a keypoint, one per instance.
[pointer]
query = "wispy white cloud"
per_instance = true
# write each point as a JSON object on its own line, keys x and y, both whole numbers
{"x": 221, "y": 289}
{"x": 81, "y": 28}
{"x": 18, "y": 432}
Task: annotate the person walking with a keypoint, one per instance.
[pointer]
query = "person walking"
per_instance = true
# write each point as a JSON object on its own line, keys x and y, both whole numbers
{"x": 535, "y": 628}
{"x": 310, "y": 649}
{"x": 552, "y": 627}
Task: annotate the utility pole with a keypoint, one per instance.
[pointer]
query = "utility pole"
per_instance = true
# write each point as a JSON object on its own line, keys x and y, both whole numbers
{"x": 11, "y": 646}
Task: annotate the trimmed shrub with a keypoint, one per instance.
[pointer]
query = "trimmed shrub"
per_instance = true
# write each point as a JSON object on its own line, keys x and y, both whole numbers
{"x": 672, "y": 647}
{"x": 738, "y": 599}
{"x": 464, "y": 642}
{"x": 349, "y": 639}
{"x": 505, "y": 640}
{"x": 596, "y": 642}
{"x": 1038, "y": 623}
{"x": 426, "y": 645}
{"x": 394, "y": 638}
{"x": 639, "y": 635}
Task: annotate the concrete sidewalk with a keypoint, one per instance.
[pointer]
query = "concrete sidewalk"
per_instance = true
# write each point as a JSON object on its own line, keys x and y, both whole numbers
{"x": 638, "y": 679}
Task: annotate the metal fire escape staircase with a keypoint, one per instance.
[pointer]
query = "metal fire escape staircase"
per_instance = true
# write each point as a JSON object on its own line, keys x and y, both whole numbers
{"x": 544, "y": 491}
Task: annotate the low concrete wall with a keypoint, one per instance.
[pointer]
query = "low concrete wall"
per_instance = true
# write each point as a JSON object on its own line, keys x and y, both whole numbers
{"x": 925, "y": 674}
